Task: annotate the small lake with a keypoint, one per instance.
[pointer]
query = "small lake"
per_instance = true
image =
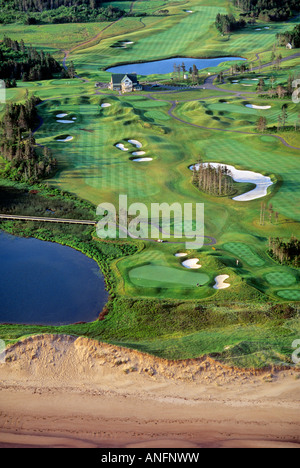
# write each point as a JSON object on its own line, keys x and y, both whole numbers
{"x": 167, "y": 66}
{"x": 47, "y": 284}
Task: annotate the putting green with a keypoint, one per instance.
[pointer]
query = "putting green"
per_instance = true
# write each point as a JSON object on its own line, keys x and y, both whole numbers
{"x": 244, "y": 252}
{"x": 153, "y": 276}
{"x": 280, "y": 278}
{"x": 291, "y": 294}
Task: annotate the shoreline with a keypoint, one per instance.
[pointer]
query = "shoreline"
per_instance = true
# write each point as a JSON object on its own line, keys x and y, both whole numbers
{"x": 63, "y": 391}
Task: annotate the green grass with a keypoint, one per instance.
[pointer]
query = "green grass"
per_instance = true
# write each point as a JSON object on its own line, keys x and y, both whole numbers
{"x": 152, "y": 276}
{"x": 245, "y": 253}
{"x": 279, "y": 278}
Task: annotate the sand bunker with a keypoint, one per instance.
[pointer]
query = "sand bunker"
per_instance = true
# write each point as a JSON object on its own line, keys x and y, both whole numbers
{"x": 68, "y": 138}
{"x": 220, "y": 282}
{"x": 105, "y": 104}
{"x": 60, "y": 116}
{"x": 252, "y": 106}
{"x": 138, "y": 153}
{"x": 262, "y": 182}
{"x": 121, "y": 147}
{"x": 142, "y": 159}
{"x": 188, "y": 11}
{"x": 181, "y": 254}
{"x": 191, "y": 263}
{"x": 136, "y": 143}
{"x": 65, "y": 121}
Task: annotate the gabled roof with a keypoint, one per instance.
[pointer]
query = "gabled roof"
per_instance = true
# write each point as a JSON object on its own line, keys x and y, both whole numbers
{"x": 117, "y": 78}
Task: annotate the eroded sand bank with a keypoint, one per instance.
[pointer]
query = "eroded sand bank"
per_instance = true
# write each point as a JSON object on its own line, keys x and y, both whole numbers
{"x": 60, "y": 391}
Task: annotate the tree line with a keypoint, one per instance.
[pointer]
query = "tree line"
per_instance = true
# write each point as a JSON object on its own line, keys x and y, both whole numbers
{"x": 216, "y": 181}
{"x": 17, "y": 144}
{"x": 268, "y": 10}
{"x": 19, "y": 62}
{"x": 285, "y": 252}
{"x": 290, "y": 37}
{"x": 58, "y": 11}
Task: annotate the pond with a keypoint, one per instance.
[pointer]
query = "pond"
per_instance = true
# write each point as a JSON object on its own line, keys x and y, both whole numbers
{"x": 167, "y": 66}
{"x": 47, "y": 284}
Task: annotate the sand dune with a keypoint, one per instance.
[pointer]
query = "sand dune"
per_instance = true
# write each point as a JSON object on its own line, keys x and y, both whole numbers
{"x": 62, "y": 391}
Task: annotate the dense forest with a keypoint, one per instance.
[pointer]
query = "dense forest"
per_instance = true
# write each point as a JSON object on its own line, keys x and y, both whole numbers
{"x": 57, "y": 11}
{"x": 285, "y": 252}
{"x": 292, "y": 37}
{"x": 17, "y": 144}
{"x": 42, "y": 5}
{"x": 18, "y": 62}
{"x": 268, "y": 10}
{"x": 213, "y": 180}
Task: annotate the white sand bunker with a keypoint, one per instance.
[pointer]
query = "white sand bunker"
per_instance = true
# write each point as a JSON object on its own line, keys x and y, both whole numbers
{"x": 191, "y": 263}
{"x": 105, "y": 104}
{"x": 60, "y": 116}
{"x": 138, "y": 153}
{"x": 65, "y": 121}
{"x": 262, "y": 182}
{"x": 125, "y": 43}
{"x": 235, "y": 81}
{"x": 252, "y": 106}
{"x": 142, "y": 159}
{"x": 243, "y": 84}
{"x": 220, "y": 282}
{"x": 136, "y": 143}
{"x": 188, "y": 11}
{"x": 68, "y": 138}
{"x": 181, "y": 254}
{"x": 121, "y": 147}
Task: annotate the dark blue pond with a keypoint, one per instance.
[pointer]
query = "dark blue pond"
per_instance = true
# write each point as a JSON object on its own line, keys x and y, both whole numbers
{"x": 47, "y": 284}
{"x": 167, "y": 66}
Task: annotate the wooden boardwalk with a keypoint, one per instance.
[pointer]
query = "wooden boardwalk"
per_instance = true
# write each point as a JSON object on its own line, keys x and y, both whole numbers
{"x": 48, "y": 220}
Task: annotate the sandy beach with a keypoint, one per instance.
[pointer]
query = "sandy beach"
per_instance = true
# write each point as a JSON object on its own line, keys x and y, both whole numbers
{"x": 61, "y": 391}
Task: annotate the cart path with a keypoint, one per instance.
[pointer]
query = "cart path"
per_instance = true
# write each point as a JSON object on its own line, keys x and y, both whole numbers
{"x": 92, "y": 40}
{"x": 208, "y": 84}
{"x": 174, "y": 104}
